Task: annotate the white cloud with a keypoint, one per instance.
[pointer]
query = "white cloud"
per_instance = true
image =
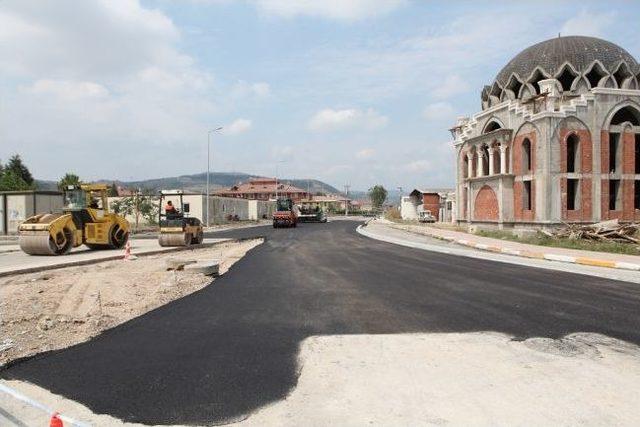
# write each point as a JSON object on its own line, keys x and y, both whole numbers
{"x": 365, "y": 153}
{"x": 588, "y": 24}
{"x": 346, "y": 10}
{"x": 244, "y": 89}
{"x": 419, "y": 166}
{"x": 331, "y": 120}
{"x": 237, "y": 127}
{"x": 438, "y": 111}
{"x": 438, "y": 62}
{"x": 109, "y": 70}
{"x": 282, "y": 153}
{"x": 85, "y": 39}
{"x": 66, "y": 90}
{"x": 451, "y": 85}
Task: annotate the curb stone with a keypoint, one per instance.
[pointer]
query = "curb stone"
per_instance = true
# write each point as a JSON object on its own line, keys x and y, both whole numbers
{"x": 76, "y": 263}
{"x": 538, "y": 255}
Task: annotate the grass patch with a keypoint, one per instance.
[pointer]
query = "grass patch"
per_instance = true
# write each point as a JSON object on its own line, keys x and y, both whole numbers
{"x": 544, "y": 240}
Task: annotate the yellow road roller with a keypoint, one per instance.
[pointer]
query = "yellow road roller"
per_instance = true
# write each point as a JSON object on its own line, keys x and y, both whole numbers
{"x": 85, "y": 219}
{"x": 177, "y": 228}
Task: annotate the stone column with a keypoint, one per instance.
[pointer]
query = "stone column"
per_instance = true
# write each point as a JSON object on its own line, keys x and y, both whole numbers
{"x": 469, "y": 165}
{"x": 491, "y": 168}
{"x": 503, "y": 158}
{"x": 553, "y": 90}
{"x": 479, "y": 154}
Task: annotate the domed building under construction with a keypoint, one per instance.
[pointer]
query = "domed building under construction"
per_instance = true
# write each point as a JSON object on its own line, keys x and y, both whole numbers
{"x": 557, "y": 140}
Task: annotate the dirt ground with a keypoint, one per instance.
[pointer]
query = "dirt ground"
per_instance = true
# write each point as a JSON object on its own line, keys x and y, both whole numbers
{"x": 59, "y": 308}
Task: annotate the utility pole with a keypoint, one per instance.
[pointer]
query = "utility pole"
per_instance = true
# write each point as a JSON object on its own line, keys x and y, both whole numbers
{"x": 209, "y": 165}
{"x": 346, "y": 199}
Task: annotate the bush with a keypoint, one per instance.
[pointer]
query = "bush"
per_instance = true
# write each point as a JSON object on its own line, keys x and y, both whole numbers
{"x": 393, "y": 214}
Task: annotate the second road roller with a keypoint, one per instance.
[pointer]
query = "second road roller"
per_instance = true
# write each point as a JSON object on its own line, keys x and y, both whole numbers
{"x": 177, "y": 228}
{"x": 85, "y": 219}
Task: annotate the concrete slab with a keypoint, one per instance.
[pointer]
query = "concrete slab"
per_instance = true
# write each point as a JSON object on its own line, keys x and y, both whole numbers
{"x": 207, "y": 268}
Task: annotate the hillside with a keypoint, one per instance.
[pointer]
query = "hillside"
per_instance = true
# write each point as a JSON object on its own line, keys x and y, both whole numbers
{"x": 198, "y": 182}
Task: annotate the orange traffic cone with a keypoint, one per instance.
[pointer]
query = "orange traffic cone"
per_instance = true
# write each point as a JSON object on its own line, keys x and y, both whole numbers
{"x": 127, "y": 251}
{"x": 55, "y": 421}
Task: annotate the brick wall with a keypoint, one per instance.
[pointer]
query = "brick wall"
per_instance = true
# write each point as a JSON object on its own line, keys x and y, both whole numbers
{"x": 629, "y": 153}
{"x": 519, "y": 213}
{"x": 431, "y": 203}
{"x": 585, "y": 211}
{"x": 627, "y": 213}
{"x": 486, "y": 205}
{"x": 517, "y": 152}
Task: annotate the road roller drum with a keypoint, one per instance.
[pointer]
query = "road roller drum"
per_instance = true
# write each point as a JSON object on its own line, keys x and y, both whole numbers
{"x": 174, "y": 239}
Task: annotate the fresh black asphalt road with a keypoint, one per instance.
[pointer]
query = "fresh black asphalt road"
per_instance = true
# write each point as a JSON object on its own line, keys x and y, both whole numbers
{"x": 222, "y": 352}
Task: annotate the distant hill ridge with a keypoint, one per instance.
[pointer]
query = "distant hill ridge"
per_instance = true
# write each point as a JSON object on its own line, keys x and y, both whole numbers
{"x": 198, "y": 182}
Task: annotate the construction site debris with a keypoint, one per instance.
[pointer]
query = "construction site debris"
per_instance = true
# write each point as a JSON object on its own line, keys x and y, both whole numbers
{"x": 6, "y": 344}
{"x": 207, "y": 268}
{"x": 178, "y": 264}
{"x": 601, "y": 231}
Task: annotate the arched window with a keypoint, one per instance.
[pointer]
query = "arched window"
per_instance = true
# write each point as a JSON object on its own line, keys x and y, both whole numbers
{"x": 626, "y": 114}
{"x": 595, "y": 74}
{"x": 566, "y": 78}
{"x": 526, "y": 156}
{"x": 535, "y": 80}
{"x": 485, "y": 160}
{"x": 496, "y": 158}
{"x": 514, "y": 86}
{"x": 491, "y": 126}
{"x": 465, "y": 165}
{"x": 573, "y": 153}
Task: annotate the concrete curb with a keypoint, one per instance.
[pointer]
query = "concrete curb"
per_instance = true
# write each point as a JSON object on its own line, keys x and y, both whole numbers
{"x": 113, "y": 258}
{"x": 595, "y": 262}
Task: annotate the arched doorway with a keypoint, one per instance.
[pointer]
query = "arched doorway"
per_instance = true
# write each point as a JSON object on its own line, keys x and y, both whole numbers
{"x": 485, "y": 207}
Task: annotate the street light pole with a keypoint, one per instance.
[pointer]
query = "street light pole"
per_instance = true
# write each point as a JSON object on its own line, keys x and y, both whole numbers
{"x": 346, "y": 199}
{"x": 277, "y": 163}
{"x": 209, "y": 166}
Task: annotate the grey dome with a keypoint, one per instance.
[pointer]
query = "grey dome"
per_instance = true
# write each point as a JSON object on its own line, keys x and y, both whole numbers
{"x": 579, "y": 51}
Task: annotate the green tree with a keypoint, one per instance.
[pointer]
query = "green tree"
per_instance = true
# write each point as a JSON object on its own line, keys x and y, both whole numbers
{"x": 68, "y": 179}
{"x": 141, "y": 205}
{"x": 16, "y": 165}
{"x": 113, "y": 190}
{"x": 11, "y": 181}
{"x": 378, "y": 195}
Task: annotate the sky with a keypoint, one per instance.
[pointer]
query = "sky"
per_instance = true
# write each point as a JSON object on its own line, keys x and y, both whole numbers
{"x": 357, "y": 92}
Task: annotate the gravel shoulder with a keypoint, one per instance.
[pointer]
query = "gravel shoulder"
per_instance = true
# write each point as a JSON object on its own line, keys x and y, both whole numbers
{"x": 56, "y": 309}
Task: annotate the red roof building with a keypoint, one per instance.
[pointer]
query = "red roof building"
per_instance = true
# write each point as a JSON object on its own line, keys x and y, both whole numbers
{"x": 263, "y": 189}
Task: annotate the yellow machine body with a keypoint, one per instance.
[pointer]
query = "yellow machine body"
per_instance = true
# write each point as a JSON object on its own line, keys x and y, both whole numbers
{"x": 85, "y": 219}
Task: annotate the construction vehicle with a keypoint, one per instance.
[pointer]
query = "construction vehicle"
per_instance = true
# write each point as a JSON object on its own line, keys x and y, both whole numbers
{"x": 177, "y": 228}
{"x": 309, "y": 213}
{"x": 85, "y": 219}
{"x": 286, "y": 214}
